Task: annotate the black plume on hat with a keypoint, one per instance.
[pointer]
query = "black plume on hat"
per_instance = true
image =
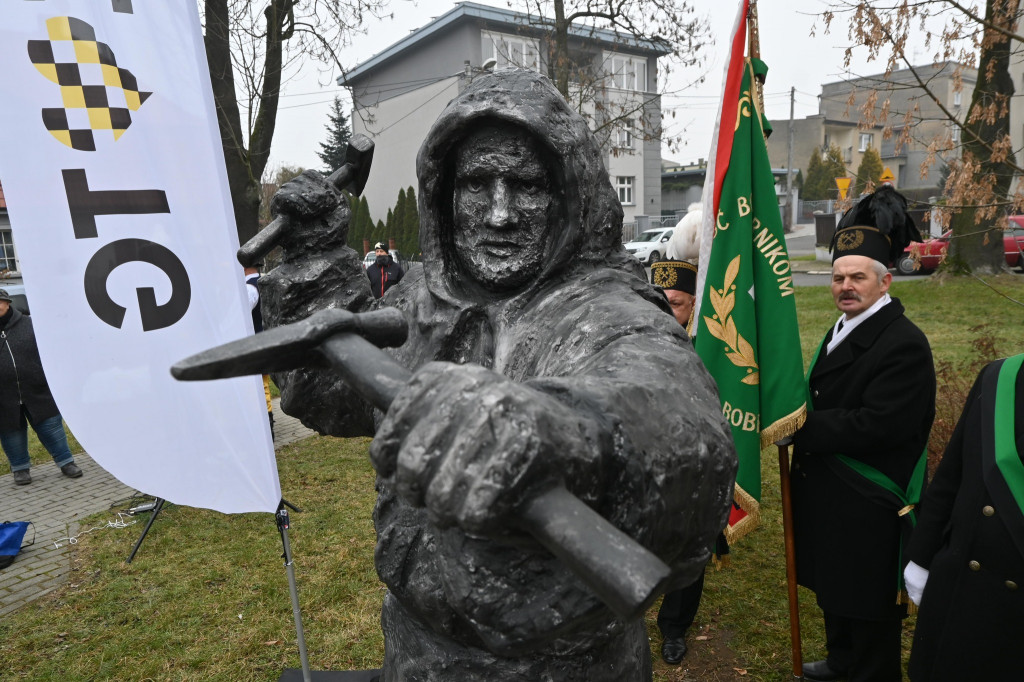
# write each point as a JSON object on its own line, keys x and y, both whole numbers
{"x": 884, "y": 210}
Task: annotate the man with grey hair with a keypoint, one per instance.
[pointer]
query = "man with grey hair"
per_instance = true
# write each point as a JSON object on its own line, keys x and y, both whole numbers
{"x": 859, "y": 460}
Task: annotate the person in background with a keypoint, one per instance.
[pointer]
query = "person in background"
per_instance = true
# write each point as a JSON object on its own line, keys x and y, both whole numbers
{"x": 384, "y": 272}
{"x": 966, "y": 567}
{"x": 25, "y": 398}
{"x": 677, "y": 277}
{"x": 252, "y": 278}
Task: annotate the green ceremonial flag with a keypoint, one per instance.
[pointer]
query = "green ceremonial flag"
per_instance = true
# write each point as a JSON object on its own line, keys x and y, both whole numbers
{"x": 747, "y": 331}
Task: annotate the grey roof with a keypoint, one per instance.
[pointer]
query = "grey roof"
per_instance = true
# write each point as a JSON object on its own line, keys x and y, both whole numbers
{"x": 464, "y": 10}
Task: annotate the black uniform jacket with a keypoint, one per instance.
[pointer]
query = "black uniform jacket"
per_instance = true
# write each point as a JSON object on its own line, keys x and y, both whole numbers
{"x": 22, "y": 381}
{"x": 874, "y": 400}
{"x": 972, "y": 541}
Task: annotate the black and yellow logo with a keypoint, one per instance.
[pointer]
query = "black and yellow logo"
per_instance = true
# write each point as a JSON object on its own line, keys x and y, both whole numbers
{"x": 97, "y": 94}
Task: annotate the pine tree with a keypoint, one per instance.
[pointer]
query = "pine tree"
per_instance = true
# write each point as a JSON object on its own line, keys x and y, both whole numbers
{"x": 366, "y": 228}
{"x": 411, "y": 230}
{"x": 355, "y": 221}
{"x": 397, "y": 227}
{"x": 870, "y": 169}
{"x": 332, "y": 152}
{"x": 822, "y": 171}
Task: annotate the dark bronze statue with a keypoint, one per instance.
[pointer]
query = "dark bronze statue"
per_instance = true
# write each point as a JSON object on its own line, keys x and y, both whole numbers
{"x": 541, "y": 360}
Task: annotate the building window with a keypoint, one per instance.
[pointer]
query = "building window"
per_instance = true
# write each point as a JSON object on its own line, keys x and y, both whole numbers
{"x": 956, "y": 134}
{"x": 957, "y": 98}
{"x": 627, "y": 73}
{"x": 624, "y": 136}
{"x": 510, "y": 50}
{"x": 8, "y": 259}
{"x": 624, "y": 184}
{"x": 866, "y": 139}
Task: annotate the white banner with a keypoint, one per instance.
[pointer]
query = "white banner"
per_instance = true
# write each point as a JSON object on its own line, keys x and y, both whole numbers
{"x": 111, "y": 163}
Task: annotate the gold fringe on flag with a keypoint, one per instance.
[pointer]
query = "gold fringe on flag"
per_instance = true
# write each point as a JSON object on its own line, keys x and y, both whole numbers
{"x": 749, "y": 522}
{"x": 784, "y": 427}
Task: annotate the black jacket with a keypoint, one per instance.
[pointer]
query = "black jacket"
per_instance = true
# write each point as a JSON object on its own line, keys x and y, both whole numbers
{"x": 972, "y": 541}
{"x": 383, "y": 278}
{"x": 21, "y": 375}
{"x": 874, "y": 400}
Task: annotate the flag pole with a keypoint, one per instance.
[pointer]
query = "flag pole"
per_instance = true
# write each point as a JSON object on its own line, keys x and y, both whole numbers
{"x": 787, "y": 533}
{"x": 754, "y": 46}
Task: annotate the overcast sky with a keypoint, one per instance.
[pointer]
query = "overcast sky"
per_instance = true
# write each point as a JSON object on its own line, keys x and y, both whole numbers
{"x": 795, "y": 59}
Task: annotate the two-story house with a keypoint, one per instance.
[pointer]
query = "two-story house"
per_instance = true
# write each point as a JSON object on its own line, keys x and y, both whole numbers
{"x": 8, "y": 257}
{"x": 852, "y": 114}
{"x": 398, "y": 93}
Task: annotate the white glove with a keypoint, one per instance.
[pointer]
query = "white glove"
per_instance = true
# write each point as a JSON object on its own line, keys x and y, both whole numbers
{"x": 915, "y": 578}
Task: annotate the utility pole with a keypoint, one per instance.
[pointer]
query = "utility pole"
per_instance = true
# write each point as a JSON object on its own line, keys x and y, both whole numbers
{"x": 790, "y": 208}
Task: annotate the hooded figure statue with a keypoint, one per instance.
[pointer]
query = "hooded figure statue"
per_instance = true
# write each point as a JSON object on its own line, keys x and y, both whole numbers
{"x": 540, "y": 356}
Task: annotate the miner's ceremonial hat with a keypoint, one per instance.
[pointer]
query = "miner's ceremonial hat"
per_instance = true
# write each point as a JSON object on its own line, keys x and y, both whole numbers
{"x": 878, "y": 227}
{"x": 675, "y": 274}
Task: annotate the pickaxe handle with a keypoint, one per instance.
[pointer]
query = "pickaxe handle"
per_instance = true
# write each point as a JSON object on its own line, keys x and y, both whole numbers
{"x": 623, "y": 573}
{"x": 352, "y": 174}
{"x": 619, "y": 570}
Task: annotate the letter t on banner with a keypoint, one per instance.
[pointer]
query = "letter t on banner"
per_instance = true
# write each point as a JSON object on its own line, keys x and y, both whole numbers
{"x": 111, "y": 163}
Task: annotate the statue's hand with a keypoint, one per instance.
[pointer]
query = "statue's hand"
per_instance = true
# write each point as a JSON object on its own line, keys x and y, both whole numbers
{"x": 471, "y": 446}
{"x": 318, "y": 214}
{"x": 306, "y": 196}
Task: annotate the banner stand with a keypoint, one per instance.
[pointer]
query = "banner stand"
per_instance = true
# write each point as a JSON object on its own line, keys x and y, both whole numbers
{"x": 158, "y": 505}
{"x": 291, "y": 674}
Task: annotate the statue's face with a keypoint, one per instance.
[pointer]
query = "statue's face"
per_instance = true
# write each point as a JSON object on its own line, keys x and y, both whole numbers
{"x": 503, "y": 209}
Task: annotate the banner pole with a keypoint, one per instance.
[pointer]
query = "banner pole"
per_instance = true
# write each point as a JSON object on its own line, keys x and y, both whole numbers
{"x": 787, "y": 526}
{"x": 282, "y": 526}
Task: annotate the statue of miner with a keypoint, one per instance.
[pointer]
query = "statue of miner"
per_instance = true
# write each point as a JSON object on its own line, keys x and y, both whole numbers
{"x": 540, "y": 356}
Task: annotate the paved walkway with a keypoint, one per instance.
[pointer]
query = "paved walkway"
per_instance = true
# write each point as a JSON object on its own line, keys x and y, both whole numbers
{"x": 55, "y": 504}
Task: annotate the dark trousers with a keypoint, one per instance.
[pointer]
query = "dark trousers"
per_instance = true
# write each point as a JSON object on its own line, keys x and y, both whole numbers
{"x": 865, "y": 650}
{"x": 679, "y": 608}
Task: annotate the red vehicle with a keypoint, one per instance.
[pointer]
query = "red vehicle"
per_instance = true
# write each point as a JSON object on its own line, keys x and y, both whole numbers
{"x": 923, "y": 257}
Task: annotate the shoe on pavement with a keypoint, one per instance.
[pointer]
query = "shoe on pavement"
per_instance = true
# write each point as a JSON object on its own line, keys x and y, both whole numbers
{"x": 820, "y": 671}
{"x": 71, "y": 470}
{"x": 673, "y": 649}
{"x": 22, "y": 477}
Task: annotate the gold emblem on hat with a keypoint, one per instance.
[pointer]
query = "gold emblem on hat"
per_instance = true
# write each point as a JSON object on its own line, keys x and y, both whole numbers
{"x": 849, "y": 239}
{"x": 665, "y": 277}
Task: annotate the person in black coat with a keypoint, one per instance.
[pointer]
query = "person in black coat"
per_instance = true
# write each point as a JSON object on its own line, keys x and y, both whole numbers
{"x": 384, "y": 272}
{"x": 872, "y": 394}
{"x": 25, "y": 398}
{"x": 967, "y": 552}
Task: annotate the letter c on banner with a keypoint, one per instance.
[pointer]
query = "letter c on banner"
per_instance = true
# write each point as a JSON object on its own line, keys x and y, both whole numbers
{"x": 154, "y": 316}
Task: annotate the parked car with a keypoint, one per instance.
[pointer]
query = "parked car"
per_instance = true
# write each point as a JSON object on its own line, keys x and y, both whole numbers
{"x": 649, "y": 246}
{"x": 932, "y": 252}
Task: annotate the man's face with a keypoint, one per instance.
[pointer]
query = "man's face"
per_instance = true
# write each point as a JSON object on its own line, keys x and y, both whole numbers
{"x": 503, "y": 207}
{"x": 855, "y": 285}
{"x": 682, "y": 305}
{"x": 380, "y": 252}
{"x": 4, "y": 307}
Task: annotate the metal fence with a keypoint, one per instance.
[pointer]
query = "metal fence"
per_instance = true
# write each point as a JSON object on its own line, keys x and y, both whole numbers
{"x": 630, "y": 230}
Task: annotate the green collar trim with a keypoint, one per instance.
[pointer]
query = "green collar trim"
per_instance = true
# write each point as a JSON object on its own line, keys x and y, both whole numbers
{"x": 1007, "y": 458}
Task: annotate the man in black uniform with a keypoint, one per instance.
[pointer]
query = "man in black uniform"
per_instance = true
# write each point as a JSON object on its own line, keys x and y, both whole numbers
{"x": 859, "y": 459}
{"x": 967, "y": 552}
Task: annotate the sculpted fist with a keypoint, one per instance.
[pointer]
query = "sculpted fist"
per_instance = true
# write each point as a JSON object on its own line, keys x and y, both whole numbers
{"x": 319, "y": 215}
{"x": 471, "y": 446}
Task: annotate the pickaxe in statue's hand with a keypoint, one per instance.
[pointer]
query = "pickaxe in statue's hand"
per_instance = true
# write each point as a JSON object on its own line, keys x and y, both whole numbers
{"x": 620, "y": 571}
{"x": 351, "y": 176}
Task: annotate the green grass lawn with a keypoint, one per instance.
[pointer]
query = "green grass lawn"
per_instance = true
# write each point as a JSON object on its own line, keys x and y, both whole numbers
{"x": 207, "y": 596}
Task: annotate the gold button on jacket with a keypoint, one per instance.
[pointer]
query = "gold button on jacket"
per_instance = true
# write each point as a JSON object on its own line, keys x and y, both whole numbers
{"x": 987, "y": 510}
{"x": 974, "y": 565}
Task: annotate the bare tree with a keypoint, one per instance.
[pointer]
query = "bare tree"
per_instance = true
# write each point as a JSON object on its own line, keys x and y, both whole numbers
{"x": 672, "y": 27}
{"x": 251, "y": 47}
{"x": 977, "y": 147}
